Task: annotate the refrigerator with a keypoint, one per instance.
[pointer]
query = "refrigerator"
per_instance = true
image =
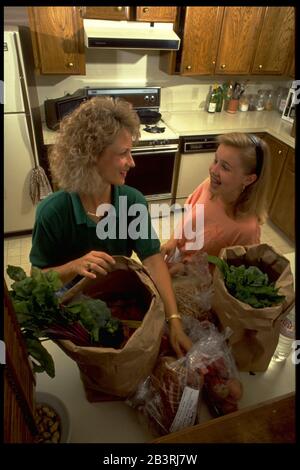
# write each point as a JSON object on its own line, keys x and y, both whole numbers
{"x": 22, "y": 130}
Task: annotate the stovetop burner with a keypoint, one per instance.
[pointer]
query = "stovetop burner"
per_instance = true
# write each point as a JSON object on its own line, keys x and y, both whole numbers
{"x": 154, "y": 129}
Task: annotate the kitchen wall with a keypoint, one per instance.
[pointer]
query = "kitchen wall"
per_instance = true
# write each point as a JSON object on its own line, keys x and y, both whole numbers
{"x": 142, "y": 68}
{"x": 135, "y": 68}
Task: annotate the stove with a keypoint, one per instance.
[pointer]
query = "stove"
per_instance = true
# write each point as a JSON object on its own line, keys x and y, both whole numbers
{"x": 142, "y": 98}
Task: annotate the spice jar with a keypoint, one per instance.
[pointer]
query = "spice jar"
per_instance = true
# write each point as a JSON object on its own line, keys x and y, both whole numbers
{"x": 252, "y": 103}
{"x": 243, "y": 103}
{"x": 269, "y": 101}
{"x": 260, "y": 103}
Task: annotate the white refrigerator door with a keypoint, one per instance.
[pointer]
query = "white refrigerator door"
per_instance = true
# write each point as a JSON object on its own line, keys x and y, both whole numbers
{"x": 19, "y": 212}
{"x": 13, "y": 100}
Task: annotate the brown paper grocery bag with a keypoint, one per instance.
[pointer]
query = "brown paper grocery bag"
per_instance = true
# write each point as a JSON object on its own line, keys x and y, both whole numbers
{"x": 109, "y": 373}
{"x": 255, "y": 331}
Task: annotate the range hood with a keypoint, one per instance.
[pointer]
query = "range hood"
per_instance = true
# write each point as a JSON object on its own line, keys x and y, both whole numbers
{"x": 108, "y": 34}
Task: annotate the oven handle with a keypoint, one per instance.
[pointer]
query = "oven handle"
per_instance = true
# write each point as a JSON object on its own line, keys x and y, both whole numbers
{"x": 148, "y": 151}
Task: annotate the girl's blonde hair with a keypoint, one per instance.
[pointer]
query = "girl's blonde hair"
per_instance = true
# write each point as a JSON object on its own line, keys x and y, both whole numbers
{"x": 82, "y": 137}
{"x": 255, "y": 158}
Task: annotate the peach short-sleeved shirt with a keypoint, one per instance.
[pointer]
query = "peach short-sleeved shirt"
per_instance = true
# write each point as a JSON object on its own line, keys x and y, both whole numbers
{"x": 219, "y": 229}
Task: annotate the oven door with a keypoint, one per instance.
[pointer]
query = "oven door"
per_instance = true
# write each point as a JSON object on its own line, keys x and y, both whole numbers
{"x": 153, "y": 171}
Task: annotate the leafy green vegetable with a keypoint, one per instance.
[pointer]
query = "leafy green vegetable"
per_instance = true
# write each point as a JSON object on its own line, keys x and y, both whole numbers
{"x": 93, "y": 313}
{"x": 41, "y": 315}
{"x": 39, "y": 353}
{"x": 249, "y": 285}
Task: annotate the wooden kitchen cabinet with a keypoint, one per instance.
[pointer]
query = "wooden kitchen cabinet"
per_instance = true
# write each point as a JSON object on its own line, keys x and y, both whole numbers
{"x": 106, "y": 13}
{"x": 57, "y": 39}
{"x": 160, "y": 14}
{"x": 143, "y": 13}
{"x": 290, "y": 70}
{"x": 278, "y": 153}
{"x": 238, "y": 39}
{"x": 282, "y": 211}
{"x": 275, "y": 41}
{"x": 232, "y": 41}
{"x": 202, "y": 28}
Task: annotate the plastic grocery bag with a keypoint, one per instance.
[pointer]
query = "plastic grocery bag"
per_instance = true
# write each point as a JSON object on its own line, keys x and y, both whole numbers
{"x": 255, "y": 330}
{"x": 170, "y": 397}
{"x": 109, "y": 373}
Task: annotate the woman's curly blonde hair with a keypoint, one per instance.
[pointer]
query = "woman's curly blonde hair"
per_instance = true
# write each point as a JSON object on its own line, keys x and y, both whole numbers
{"x": 82, "y": 137}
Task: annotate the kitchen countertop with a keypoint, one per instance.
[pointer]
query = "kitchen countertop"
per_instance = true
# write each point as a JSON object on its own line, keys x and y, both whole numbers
{"x": 185, "y": 123}
{"x": 116, "y": 422}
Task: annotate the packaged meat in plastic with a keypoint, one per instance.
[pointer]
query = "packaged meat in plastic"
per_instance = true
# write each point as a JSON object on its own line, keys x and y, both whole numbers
{"x": 170, "y": 397}
{"x": 222, "y": 388}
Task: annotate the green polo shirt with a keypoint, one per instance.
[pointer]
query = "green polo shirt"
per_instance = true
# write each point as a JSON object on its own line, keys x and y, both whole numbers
{"x": 63, "y": 231}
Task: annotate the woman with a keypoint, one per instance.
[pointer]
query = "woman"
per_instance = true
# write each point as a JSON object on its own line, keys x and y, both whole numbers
{"x": 233, "y": 197}
{"x": 89, "y": 163}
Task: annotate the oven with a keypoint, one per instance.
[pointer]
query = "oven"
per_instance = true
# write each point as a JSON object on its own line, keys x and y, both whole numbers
{"x": 154, "y": 170}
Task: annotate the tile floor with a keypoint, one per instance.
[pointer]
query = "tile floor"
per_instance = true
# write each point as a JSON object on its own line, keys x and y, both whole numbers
{"x": 16, "y": 249}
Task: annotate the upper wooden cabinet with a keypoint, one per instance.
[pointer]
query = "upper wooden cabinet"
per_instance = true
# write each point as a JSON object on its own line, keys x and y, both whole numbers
{"x": 160, "y": 14}
{"x": 275, "y": 41}
{"x": 200, "y": 40}
{"x": 106, "y": 13}
{"x": 145, "y": 13}
{"x": 57, "y": 38}
{"x": 232, "y": 41}
{"x": 238, "y": 39}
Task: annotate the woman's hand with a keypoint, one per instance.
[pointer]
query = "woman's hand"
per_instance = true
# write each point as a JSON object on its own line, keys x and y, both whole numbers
{"x": 92, "y": 263}
{"x": 168, "y": 249}
{"x": 180, "y": 342}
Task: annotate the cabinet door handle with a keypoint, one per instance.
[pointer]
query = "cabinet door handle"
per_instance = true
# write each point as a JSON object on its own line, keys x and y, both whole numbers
{"x": 145, "y": 10}
{"x": 214, "y": 62}
{"x": 223, "y": 66}
{"x": 188, "y": 67}
{"x": 70, "y": 64}
{"x": 279, "y": 152}
{"x": 260, "y": 66}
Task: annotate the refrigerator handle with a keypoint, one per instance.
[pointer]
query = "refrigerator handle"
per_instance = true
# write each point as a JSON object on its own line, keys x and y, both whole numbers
{"x": 26, "y": 103}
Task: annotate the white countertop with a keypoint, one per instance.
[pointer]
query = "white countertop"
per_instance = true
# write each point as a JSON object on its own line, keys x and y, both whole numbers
{"x": 116, "y": 422}
{"x": 185, "y": 123}
{"x": 201, "y": 122}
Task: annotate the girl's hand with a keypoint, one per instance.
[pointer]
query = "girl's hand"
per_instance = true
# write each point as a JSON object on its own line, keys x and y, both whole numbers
{"x": 93, "y": 263}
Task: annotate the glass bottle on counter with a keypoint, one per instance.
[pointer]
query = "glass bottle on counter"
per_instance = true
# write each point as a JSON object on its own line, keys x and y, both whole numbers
{"x": 286, "y": 337}
{"x": 252, "y": 103}
{"x": 220, "y": 100}
{"x": 260, "y": 102}
{"x": 269, "y": 100}
{"x": 227, "y": 93}
{"x": 243, "y": 103}
{"x": 213, "y": 100}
